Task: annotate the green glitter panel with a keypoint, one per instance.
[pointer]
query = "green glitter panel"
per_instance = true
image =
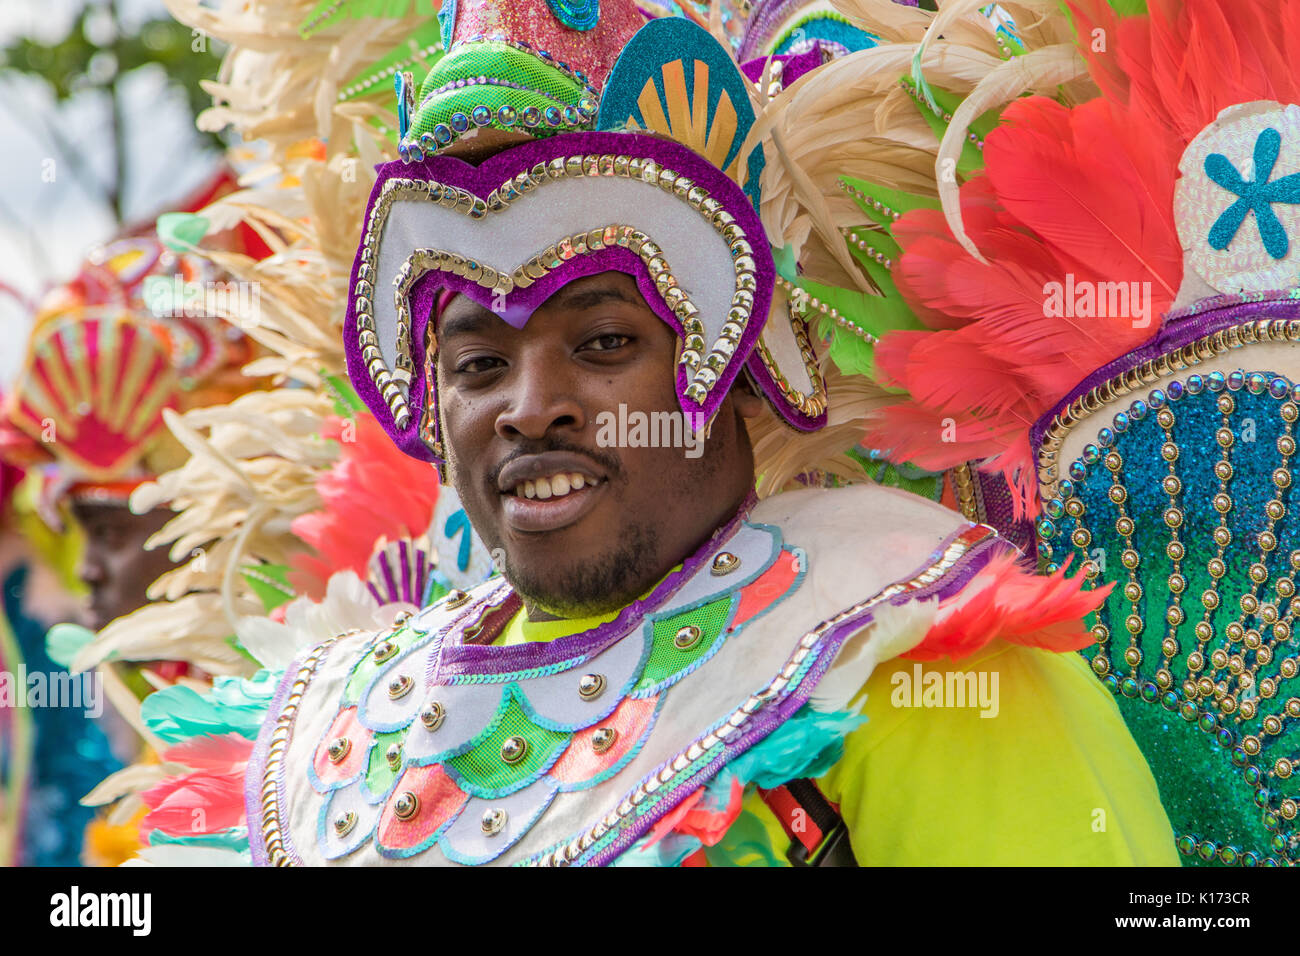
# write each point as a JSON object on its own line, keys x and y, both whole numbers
{"x": 667, "y": 661}
{"x": 365, "y": 669}
{"x": 1184, "y": 503}
{"x": 522, "y": 83}
{"x": 483, "y": 772}
{"x": 380, "y": 775}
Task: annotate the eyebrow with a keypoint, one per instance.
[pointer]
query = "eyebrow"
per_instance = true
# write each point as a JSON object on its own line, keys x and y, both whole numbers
{"x": 590, "y": 298}
{"x": 469, "y": 323}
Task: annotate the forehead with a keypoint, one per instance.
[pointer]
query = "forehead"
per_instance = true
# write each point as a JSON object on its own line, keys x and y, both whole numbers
{"x": 461, "y": 315}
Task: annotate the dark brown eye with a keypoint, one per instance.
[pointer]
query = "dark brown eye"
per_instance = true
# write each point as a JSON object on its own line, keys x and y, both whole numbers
{"x": 607, "y": 343}
{"x": 475, "y": 365}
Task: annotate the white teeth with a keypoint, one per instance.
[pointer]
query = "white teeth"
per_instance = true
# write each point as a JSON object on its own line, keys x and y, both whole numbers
{"x": 557, "y": 486}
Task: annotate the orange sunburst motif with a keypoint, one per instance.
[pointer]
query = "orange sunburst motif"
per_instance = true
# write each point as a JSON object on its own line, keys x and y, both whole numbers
{"x": 93, "y": 389}
{"x": 687, "y": 119}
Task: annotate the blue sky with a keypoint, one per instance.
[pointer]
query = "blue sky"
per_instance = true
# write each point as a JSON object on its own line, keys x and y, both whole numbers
{"x": 47, "y": 227}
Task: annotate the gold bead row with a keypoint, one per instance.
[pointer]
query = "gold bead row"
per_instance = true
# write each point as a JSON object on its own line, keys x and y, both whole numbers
{"x": 1175, "y": 550}
{"x": 575, "y": 166}
{"x": 272, "y": 827}
{"x": 1150, "y": 373}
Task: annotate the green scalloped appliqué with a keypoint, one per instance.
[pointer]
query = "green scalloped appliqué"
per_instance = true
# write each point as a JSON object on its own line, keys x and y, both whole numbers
{"x": 666, "y": 660}
{"x": 483, "y": 769}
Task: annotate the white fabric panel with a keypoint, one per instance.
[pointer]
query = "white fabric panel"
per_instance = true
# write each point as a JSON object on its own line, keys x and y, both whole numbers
{"x": 697, "y": 254}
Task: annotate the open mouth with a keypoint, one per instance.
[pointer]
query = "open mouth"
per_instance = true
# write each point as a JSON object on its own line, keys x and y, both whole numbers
{"x": 554, "y": 486}
{"x": 551, "y": 502}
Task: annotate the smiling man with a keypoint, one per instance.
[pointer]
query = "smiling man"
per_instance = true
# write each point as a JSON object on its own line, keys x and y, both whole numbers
{"x": 538, "y": 486}
{"x": 668, "y": 670}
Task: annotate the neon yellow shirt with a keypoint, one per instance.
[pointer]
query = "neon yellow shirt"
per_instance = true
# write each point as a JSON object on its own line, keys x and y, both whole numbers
{"x": 1053, "y": 778}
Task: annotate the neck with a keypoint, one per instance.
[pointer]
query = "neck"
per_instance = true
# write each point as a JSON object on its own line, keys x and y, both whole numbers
{"x": 655, "y": 591}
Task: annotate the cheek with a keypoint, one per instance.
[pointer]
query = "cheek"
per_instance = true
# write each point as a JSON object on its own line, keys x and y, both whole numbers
{"x": 465, "y": 422}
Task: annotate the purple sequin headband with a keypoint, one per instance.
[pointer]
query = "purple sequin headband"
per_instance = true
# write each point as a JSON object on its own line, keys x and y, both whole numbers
{"x": 512, "y": 231}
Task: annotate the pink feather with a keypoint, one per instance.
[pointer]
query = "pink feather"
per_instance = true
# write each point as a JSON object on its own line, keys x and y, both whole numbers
{"x": 208, "y": 800}
{"x": 373, "y": 492}
{"x": 200, "y": 802}
{"x": 1006, "y": 602}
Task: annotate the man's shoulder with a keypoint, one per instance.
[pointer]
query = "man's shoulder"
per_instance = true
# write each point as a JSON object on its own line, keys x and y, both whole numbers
{"x": 873, "y": 537}
{"x": 861, "y": 515}
{"x": 1034, "y": 743}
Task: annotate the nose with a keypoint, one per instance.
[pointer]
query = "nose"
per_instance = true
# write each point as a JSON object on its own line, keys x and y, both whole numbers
{"x": 542, "y": 399}
{"x": 91, "y": 568}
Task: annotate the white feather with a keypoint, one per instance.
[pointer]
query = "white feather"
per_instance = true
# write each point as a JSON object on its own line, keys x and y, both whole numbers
{"x": 895, "y": 630}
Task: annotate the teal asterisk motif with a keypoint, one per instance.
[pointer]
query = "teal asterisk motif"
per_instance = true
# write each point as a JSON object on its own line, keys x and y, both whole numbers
{"x": 1257, "y": 196}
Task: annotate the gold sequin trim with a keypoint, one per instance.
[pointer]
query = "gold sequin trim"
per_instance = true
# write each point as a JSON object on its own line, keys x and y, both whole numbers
{"x": 392, "y": 383}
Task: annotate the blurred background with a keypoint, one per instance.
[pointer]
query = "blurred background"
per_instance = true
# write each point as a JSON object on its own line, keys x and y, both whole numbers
{"x": 98, "y": 100}
{"x": 97, "y": 106}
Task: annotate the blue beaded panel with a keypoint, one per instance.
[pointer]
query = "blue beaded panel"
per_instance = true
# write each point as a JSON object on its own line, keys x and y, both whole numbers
{"x": 1184, "y": 504}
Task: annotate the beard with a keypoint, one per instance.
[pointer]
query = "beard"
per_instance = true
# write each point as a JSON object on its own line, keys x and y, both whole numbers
{"x": 596, "y": 584}
{"x": 593, "y": 583}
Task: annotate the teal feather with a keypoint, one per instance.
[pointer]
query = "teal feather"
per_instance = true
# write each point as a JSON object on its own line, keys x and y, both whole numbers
{"x": 806, "y": 745}
{"x": 234, "y": 705}
{"x": 236, "y": 838}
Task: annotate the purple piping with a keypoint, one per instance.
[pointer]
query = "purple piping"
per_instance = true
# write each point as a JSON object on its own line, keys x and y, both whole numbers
{"x": 770, "y": 717}
{"x": 793, "y": 65}
{"x": 460, "y": 658}
{"x": 1179, "y": 330}
{"x": 481, "y": 181}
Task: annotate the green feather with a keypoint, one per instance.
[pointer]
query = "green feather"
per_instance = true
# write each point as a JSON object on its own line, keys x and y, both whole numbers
{"x": 411, "y": 55}
{"x": 270, "y": 582}
{"x": 329, "y": 12}
{"x": 346, "y": 402}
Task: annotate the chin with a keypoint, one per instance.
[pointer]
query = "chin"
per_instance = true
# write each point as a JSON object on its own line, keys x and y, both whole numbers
{"x": 580, "y": 582}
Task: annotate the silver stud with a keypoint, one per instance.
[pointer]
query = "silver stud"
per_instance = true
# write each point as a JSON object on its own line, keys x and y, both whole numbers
{"x": 384, "y": 650}
{"x": 603, "y": 739}
{"x": 688, "y": 638}
{"x": 399, "y": 687}
{"x": 514, "y": 750}
{"x": 455, "y": 598}
{"x": 406, "y": 806}
{"x": 394, "y": 755}
{"x": 432, "y": 716}
{"x": 591, "y": 686}
{"x": 339, "y": 749}
{"x": 724, "y": 562}
{"x": 345, "y": 823}
{"x": 494, "y": 821}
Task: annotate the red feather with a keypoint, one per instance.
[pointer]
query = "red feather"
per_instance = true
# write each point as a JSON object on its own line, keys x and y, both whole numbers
{"x": 212, "y": 752}
{"x": 373, "y": 492}
{"x": 1004, "y": 601}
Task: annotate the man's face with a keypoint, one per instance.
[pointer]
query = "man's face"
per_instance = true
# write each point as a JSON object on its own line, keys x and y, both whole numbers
{"x": 585, "y": 526}
{"x": 114, "y": 564}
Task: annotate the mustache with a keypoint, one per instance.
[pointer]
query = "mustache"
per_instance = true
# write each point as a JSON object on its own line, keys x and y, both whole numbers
{"x": 613, "y": 467}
